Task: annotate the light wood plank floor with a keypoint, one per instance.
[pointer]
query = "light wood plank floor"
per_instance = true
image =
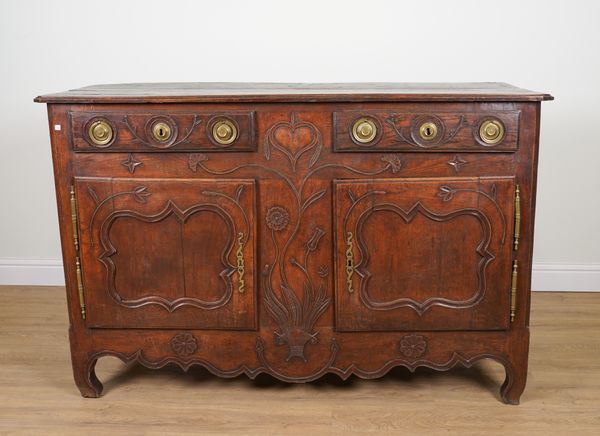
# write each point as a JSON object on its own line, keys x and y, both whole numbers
{"x": 38, "y": 396}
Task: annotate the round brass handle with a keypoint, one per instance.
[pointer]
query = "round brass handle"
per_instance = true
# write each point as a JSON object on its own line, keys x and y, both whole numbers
{"x": 224, "y": 132}
{"x": 100, "y": 132}
{"x": 491, "y": 131}
{"x": 364, "y": 130}
{"x": 161, "y": 131}
{"x": 428, "y": 131}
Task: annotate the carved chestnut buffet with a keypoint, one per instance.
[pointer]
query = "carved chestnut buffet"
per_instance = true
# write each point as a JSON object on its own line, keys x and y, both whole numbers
{"x": 297, "y": 230}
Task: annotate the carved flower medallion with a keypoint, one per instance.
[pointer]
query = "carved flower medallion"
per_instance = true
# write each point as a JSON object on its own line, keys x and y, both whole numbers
{"x": 277, "y": 218}
{"x": 413, "y": 346}
{"x": 184, "y": 344}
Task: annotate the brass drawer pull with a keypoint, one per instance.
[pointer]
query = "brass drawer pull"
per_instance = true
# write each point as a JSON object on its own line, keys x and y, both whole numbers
{"x": 491, "y": 131}
{"x": 100, "y": 132}
{"x": 224, "y": 132}
{"x": 364, "y": 130}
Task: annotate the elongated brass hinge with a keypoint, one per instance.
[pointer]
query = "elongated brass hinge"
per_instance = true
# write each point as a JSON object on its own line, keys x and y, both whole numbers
{"x": 74, "y": 219}
{"x": 513, "y": 290}
{"x": 77, "y": 258}
{"x": 517, "y": 217}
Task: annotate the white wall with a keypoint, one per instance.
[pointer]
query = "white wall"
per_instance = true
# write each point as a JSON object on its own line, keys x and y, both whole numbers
{"x": 552, "y": 46}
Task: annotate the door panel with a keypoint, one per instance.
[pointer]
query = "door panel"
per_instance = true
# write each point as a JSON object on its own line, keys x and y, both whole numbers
{"x": 168, "y": 253}
{"x": 423, "y": 254}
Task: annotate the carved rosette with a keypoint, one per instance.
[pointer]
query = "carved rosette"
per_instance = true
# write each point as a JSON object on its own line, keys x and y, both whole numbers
{"x": 277, "y": 218}
{"x": 184, "y": 344}
{"x": 413, "y": 346}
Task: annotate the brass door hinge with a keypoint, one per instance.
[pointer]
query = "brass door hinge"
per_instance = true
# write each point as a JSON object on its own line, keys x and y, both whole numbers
{"x": 517, "y": 217}
{"x": 77, "y": 258}
{"x": 513, "y": 290}
{"x": 80, "y": 286}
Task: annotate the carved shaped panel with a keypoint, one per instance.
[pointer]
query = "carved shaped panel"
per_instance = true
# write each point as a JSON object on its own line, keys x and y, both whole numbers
{"x": 425, "y": 253}
{"x": 160, "y": 250}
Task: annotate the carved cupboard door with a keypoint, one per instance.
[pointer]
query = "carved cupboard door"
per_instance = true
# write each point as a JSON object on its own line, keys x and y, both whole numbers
{"x": 423, "y": 254}
{"x": 169, "y": 253}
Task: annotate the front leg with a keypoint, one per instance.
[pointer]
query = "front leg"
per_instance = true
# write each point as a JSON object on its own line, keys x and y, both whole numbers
{"x": 516, "y": 367}
{"x": 84, "y": 368}
{"x": 84, "y": 374}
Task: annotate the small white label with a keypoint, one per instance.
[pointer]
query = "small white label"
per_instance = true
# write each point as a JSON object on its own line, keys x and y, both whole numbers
{"x": 57, "y": 127}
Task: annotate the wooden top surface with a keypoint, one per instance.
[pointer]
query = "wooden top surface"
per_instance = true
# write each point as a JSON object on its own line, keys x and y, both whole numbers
{"x": 205, "y": 92}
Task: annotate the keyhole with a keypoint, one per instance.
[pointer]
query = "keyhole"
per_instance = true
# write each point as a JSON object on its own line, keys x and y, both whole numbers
{"x": 161, "y": 131}
{"x": 428, "y": 131}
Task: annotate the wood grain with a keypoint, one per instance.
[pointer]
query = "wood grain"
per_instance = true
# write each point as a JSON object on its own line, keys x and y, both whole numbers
{"x": 292, "y": 92}
{"x": 37, "y": 395}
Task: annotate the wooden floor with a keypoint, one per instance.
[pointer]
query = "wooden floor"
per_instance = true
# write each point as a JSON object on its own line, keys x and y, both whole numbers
{"x": 38, "y": 396}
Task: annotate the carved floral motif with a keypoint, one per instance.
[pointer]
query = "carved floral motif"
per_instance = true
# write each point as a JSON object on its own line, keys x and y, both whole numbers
{"x": 277, "y": 218}
{"x": 296, "y": 316}
{"x": 394, "y": 162}
{"x": 195, "y": 159}
{"x": 184, "y": 344}
{"x": 294, "y": 138}
{"x": 413, "y": 346}
{"x": 447, "y": 193}
{"x": 139, "y": 194}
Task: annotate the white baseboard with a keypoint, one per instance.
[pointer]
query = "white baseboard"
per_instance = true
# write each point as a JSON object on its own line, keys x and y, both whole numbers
{"x": 561, "y": 277}
{"x": 546, "y": 276}
{"x": 37, "y": 272}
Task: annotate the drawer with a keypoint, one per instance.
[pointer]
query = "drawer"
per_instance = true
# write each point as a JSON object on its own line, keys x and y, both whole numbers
{"x": 159, "y": 131}
{"x": 388, "y": 130}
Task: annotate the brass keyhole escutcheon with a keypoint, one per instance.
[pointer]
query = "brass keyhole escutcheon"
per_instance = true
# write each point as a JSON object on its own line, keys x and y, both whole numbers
{"x": 100, "y": 132}
{"x": 224, "y": 132}
{"x": 161, "y": 131}
{"x": 364, "y": 130}
{"x": 491, "y": 131}
{"x": 428, "y": 131}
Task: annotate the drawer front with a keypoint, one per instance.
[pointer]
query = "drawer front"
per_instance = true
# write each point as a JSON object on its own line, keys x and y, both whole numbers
{"x": 167, "y": 253}
{"x": 423, "y": 254}
{"x": 163, "y": 131}
{"x": 389, "y": 130}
